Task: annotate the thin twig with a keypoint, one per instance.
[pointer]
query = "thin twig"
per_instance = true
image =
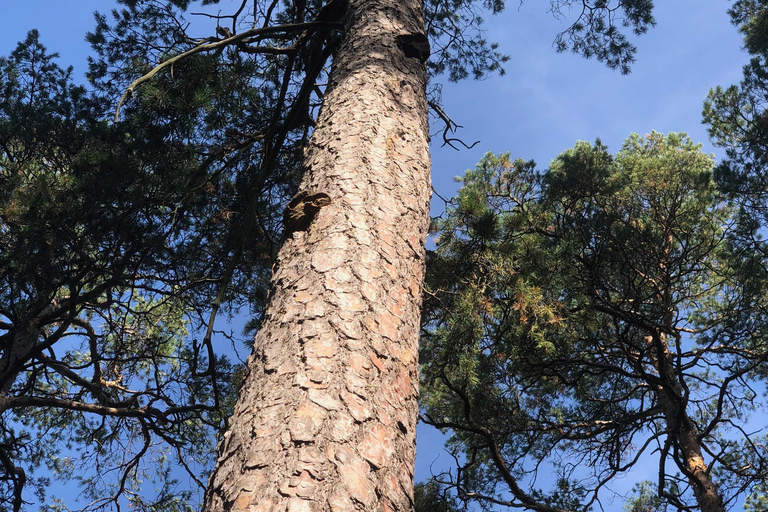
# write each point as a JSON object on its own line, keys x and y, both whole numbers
{"x": 206, "y": 45}
{"x": 450, "y": 127}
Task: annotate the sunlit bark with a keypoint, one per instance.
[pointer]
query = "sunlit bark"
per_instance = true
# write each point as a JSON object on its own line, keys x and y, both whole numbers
{"x": 326, "y": 419}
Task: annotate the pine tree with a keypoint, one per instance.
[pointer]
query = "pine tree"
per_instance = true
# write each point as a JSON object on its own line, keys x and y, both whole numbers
{"x": 588, "y": 318}
{"x": 102, "y": 271}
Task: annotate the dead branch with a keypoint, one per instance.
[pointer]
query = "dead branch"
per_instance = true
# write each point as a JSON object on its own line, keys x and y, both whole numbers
{"x": 450, "y": 127}
{"x": 213, "y": 43}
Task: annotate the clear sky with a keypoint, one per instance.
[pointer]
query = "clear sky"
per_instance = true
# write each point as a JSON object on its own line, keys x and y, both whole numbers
{"x": 548, "y": 101}
{"x": 545, "y": 102}
{"x": 542, "y": 106}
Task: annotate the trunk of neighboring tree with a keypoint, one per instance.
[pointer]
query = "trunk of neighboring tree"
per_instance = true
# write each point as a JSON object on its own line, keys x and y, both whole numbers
{"x": 19, "y": 349}
{"x": 681, "y": 430}
{"x": 327, "y": 417}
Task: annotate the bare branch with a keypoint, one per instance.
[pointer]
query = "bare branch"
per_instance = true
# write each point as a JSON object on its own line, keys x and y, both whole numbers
{"x": 207, "y": 46}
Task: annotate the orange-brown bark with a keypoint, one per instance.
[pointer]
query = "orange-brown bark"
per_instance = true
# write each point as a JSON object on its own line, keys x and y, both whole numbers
{"x": 327, "y": 417}
{"x": 682, "y": 431}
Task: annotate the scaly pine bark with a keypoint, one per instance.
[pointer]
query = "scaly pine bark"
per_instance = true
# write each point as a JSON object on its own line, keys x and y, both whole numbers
{"x": 326, "y": 419}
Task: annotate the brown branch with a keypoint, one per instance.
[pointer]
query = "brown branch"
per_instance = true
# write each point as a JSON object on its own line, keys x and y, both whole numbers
{"x": 450, "y": 127}
{"x": 23, "y": 402}
{"x": 92, "y": 346}
{"x": 493, "y": 448}
{"x": 95, "y": 387}
{"x": 16, "y": 475}
{"x": 206, "y": 46}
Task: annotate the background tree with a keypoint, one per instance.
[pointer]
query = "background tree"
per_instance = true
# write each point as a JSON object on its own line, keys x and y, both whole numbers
{"x": 602, "y": 316}
{"x": 736, "y": 115}
{"x": 736, "y": 119}
{"x": 429, "y": 496}
{"x": 112, "y": 248}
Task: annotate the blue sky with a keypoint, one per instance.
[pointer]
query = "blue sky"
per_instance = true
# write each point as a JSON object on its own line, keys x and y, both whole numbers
{"x": 548, "y": 101}
{"x": 542, "y": 106}
{"x": 545, "y": 102}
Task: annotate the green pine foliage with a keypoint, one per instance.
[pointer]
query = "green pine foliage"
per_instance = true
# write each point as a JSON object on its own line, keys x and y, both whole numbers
{"x": 430, "y": 497}
{"x": 735, "y": 114}
{"x": 113, "y": 244}
{"x": 552, "y": 299}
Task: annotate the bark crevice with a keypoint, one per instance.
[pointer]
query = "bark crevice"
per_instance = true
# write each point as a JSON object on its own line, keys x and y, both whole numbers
{"x": 332, "y": 385}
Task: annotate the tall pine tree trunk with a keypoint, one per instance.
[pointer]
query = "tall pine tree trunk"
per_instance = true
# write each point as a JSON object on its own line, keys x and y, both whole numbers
{"x": 681, "y": 429}
{"x": 327, "y": 417}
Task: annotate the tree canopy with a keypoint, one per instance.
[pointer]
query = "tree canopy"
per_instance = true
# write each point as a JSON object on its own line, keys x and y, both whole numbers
{"x": 113, "y": 248}
{"x": 592, "y": 318}
{"x": 735, "y": 114}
